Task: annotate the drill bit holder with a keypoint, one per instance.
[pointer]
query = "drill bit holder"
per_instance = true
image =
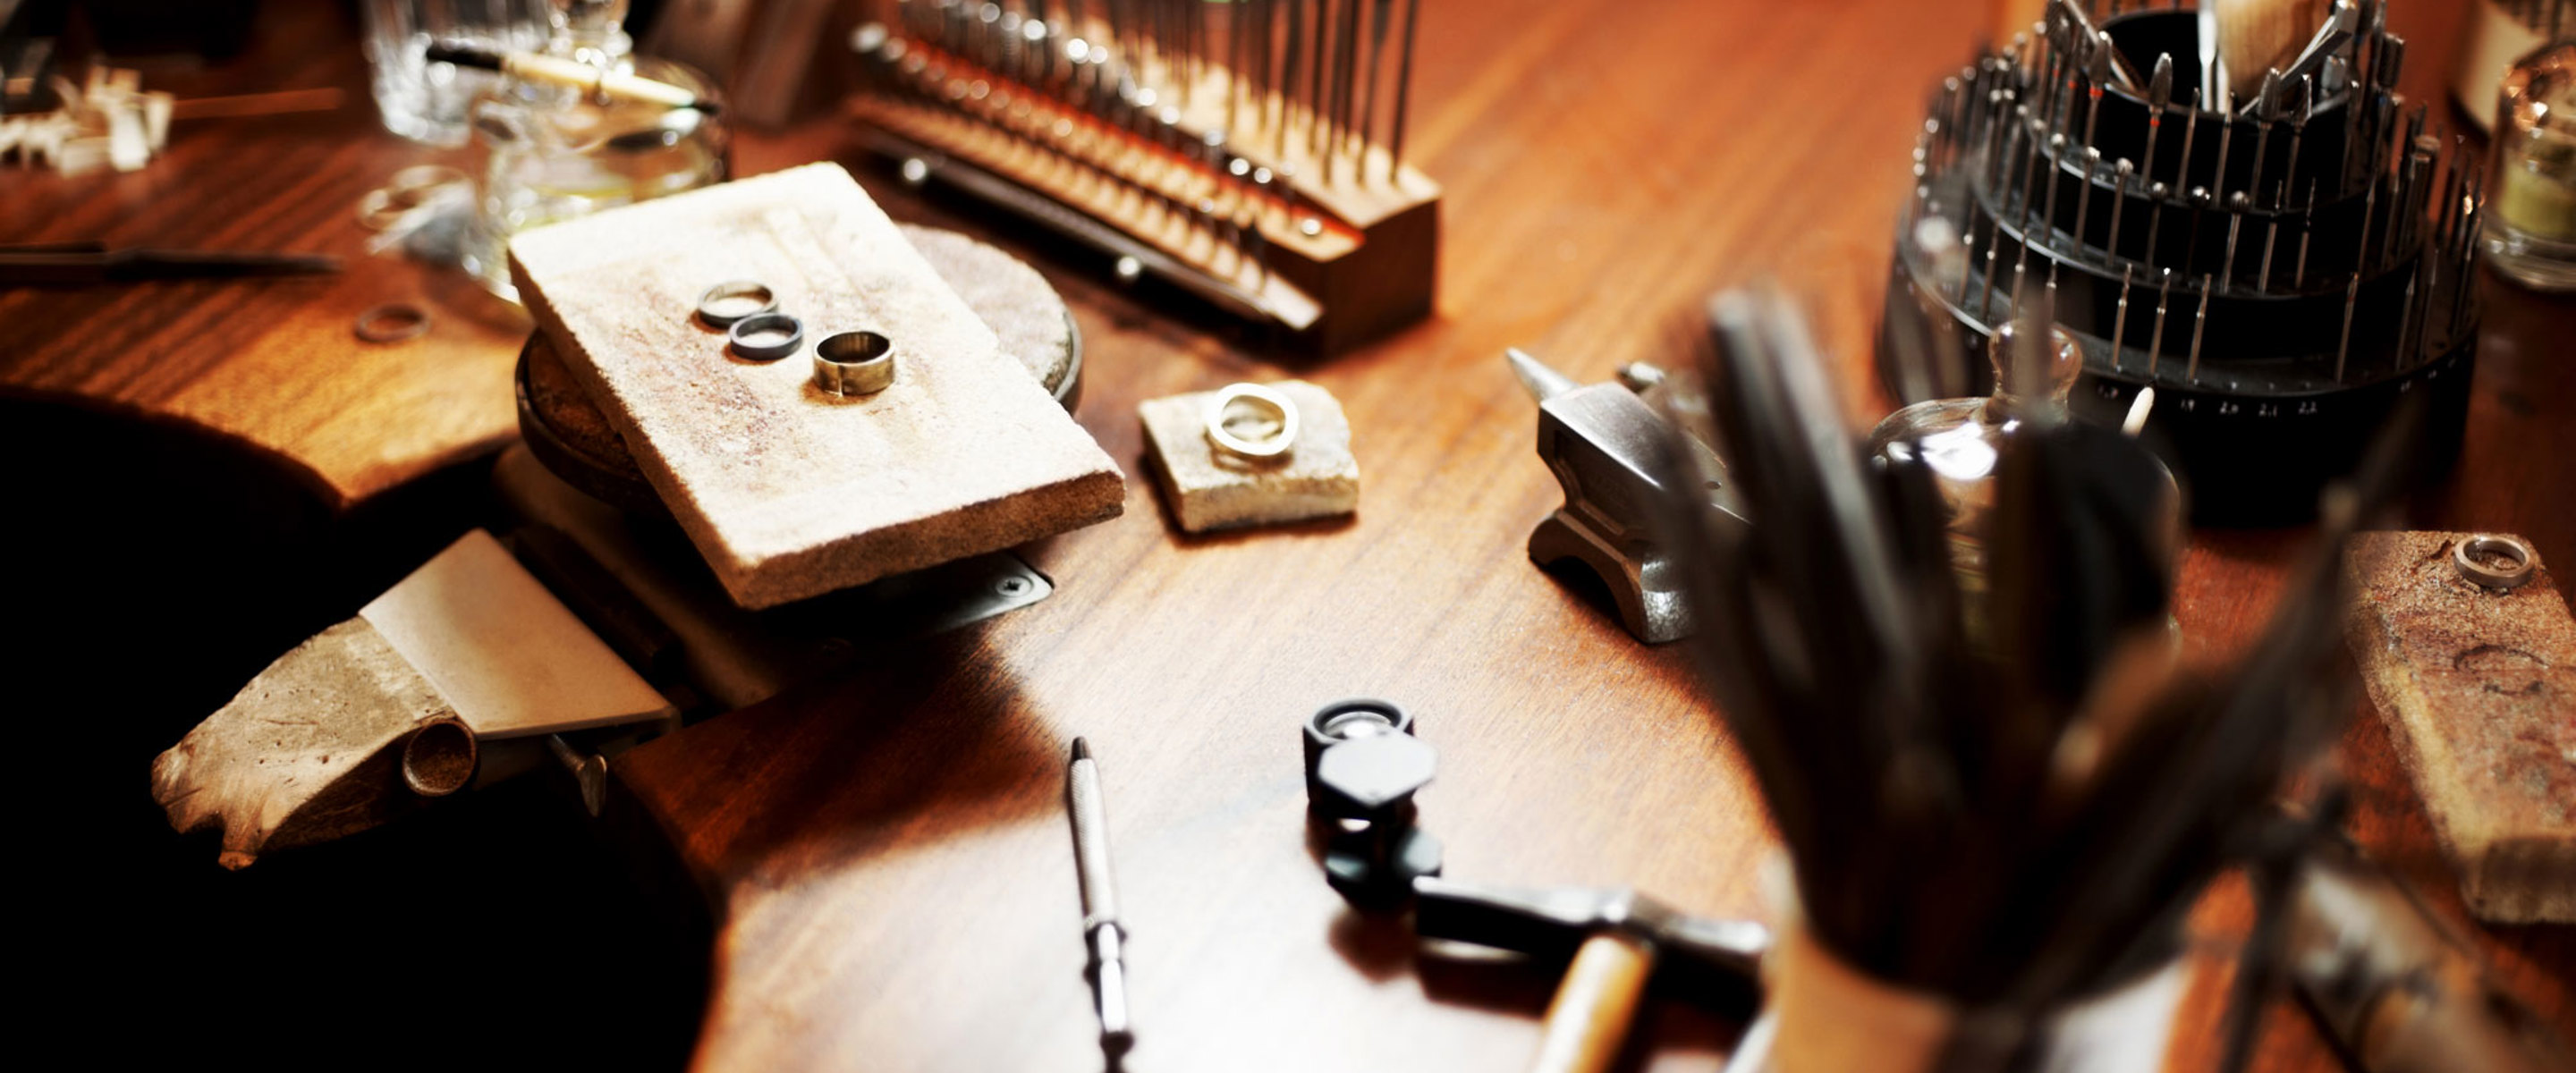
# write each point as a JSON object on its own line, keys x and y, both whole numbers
{"x": 2283, "y": 270}
{"x": 1238, "y": 159}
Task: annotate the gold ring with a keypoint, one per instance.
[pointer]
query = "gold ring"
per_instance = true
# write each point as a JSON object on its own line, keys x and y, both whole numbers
{"x": 1256, "y": 398}
{"x": 854, "y": 363}
{"x": 2470, "y": 557}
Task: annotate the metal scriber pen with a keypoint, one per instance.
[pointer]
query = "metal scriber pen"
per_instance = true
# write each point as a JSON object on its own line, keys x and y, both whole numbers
{"x": 1101, "y": 932}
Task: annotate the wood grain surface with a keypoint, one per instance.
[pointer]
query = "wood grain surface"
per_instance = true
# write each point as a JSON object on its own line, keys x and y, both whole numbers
{"x": 887, "y": 851}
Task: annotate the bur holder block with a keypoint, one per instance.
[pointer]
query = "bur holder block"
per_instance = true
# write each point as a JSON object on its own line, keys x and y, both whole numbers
{"x": 2478, "y": 689}
{"x": 2317, "y": 331}
{"x": 1210, "y": 489}
{"x": 788, "y": 492}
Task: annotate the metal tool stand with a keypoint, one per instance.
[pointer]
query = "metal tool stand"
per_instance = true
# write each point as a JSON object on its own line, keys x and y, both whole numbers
{"x": 2283, "y": 270}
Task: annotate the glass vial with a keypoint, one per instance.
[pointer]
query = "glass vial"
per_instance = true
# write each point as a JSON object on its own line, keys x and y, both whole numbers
{"x": 559, "y": 152}
{"x": 2530, "y": 231}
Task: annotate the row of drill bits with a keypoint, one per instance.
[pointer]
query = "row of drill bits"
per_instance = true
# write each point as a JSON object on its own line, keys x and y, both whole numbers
{"x": 1284, "y": 79}
{"x": 2027, "y": 116}
{"x": 1217, "y": 126}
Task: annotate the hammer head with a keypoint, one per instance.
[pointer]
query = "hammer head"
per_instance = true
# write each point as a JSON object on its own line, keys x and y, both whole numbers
{"x": 1551, "y": 924}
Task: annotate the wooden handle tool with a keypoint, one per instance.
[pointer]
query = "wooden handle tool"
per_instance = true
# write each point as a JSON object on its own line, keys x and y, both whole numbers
{"x": 1588, "y": 1019}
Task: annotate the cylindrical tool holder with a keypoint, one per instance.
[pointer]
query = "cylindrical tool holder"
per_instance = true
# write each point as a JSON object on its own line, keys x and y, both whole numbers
{"x": 2283, "y": 271}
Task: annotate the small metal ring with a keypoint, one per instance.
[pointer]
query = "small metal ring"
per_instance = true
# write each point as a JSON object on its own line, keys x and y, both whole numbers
{"x": 2466, "y": 556}
{"x": 406, "y": 192}
{"x": 711, "y": 304}
{"x": 392, "y": 322}
{"x": 1273, "y": 446}
{"x": 854, "y": 363}
{"x": 742, "y": 331}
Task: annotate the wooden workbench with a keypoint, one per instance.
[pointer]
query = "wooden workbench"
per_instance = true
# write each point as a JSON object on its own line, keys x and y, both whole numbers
{"x": 886, "y": 853}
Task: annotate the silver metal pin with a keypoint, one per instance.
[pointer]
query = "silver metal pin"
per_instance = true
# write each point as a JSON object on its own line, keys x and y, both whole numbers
{"x": 2084, "y": 199}
{"x": 2200, "y": 201}
{"x": 2307, "y": 224}
{"x": 2190, "y": 134}
{"x": 2343, "y": 346}
{"x": 2156, "y": 195}
{"x": 2120, "y": 173}
{"x": 2298, "y": 129}
{"x": 2159, "y": 102}
{"x": 2271, "y": 241}
{"x": 2266, "y": 109}
{"x": 2056, "y": 156}
{"x": 2199, "y": 320}
{"x": 1102, "y": 934}
{"x": 2120, "y": 320}
{"x": 2156, "y": 342}
{"x": 2237, "y": 206}
{"x": 2406, "y": 320}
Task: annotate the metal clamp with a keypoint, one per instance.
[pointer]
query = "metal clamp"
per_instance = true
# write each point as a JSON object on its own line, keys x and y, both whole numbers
{"x": 2470, "y": 557}
{"x": 725, "y": 303}
{"x": 766, "y": 336}
{"x": 854, "y": 363}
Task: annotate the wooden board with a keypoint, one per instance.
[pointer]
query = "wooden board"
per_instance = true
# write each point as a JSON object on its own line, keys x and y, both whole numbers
{"x": 902, "y": 884}
{"x": 2479, "y": 692}
{"x": 788, "y": 491}
{"x": 272, "y": 365}
{"x": 888, "y": 852}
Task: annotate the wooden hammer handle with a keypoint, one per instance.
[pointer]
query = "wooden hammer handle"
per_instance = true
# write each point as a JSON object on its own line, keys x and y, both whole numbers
{"x": 1589, "y": 1016}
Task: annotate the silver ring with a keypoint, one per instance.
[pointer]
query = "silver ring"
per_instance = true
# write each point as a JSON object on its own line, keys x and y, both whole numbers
{"x": 854, "y": 363}
{"x": 2467, "y": 556}
{"x": 745, "y": 331}
{"x": 384, "y": 207}
{"x": 391, "y": 322}
{"x": 1278, "y": 443}
{"x": 723, "y": 303}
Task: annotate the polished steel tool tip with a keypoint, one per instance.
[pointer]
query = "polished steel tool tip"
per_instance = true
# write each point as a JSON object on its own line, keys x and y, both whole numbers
{"x": 1101, "y": 933}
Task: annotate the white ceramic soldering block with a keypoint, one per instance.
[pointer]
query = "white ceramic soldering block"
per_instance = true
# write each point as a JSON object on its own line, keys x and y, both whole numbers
{"x": 1210, "y": 489}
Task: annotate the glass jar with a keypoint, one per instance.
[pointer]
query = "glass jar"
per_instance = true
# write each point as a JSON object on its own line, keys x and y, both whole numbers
{"x": 2530, "y": 231}
{"x": 557, "y": 152}
{"x": 1961, "y": 440}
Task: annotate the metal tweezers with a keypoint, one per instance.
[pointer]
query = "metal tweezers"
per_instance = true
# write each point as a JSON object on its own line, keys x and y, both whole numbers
{"x": 74, "y": 263}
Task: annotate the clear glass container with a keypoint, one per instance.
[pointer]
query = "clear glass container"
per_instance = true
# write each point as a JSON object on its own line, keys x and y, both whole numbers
{"x": 428, "y": 102}
{"x": 1960, "y": 440}
{"x": 2530, "y": 231}
{"x": 558, "y": 152}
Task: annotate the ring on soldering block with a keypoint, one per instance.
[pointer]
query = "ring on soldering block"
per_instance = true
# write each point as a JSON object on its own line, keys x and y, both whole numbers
{"x": 725, "y": 303}
{"x": 1237, "y": 401}
{"x": 2470, "y": 557}
{"x": 854, "y": 363}
{"x": 766, "y": 336}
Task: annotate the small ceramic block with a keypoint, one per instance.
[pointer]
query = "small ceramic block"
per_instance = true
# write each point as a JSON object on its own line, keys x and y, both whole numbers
{"x": 1211, "y": 489}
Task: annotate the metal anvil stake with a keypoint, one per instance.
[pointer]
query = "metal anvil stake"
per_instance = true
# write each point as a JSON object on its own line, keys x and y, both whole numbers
{"x": 1602, "y": 442}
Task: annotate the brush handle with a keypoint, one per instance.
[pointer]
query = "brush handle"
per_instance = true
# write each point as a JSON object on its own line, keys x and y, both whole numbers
{"x": 556, "y": 70}
{"x": 1588, "y": 1019}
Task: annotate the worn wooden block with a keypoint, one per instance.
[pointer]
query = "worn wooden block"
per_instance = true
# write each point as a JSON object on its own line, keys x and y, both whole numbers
{"x": 367, "y": 719}
{"x": 1210, "y": 489}
{"x": 309, "y": 751}
{"x": 787, "y": 491}
{"x": 2478, "y": 689}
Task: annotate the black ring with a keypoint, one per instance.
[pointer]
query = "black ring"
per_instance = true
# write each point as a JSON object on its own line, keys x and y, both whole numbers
{"x": 740, "y": 288}
{"x": 758, "y": 323}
